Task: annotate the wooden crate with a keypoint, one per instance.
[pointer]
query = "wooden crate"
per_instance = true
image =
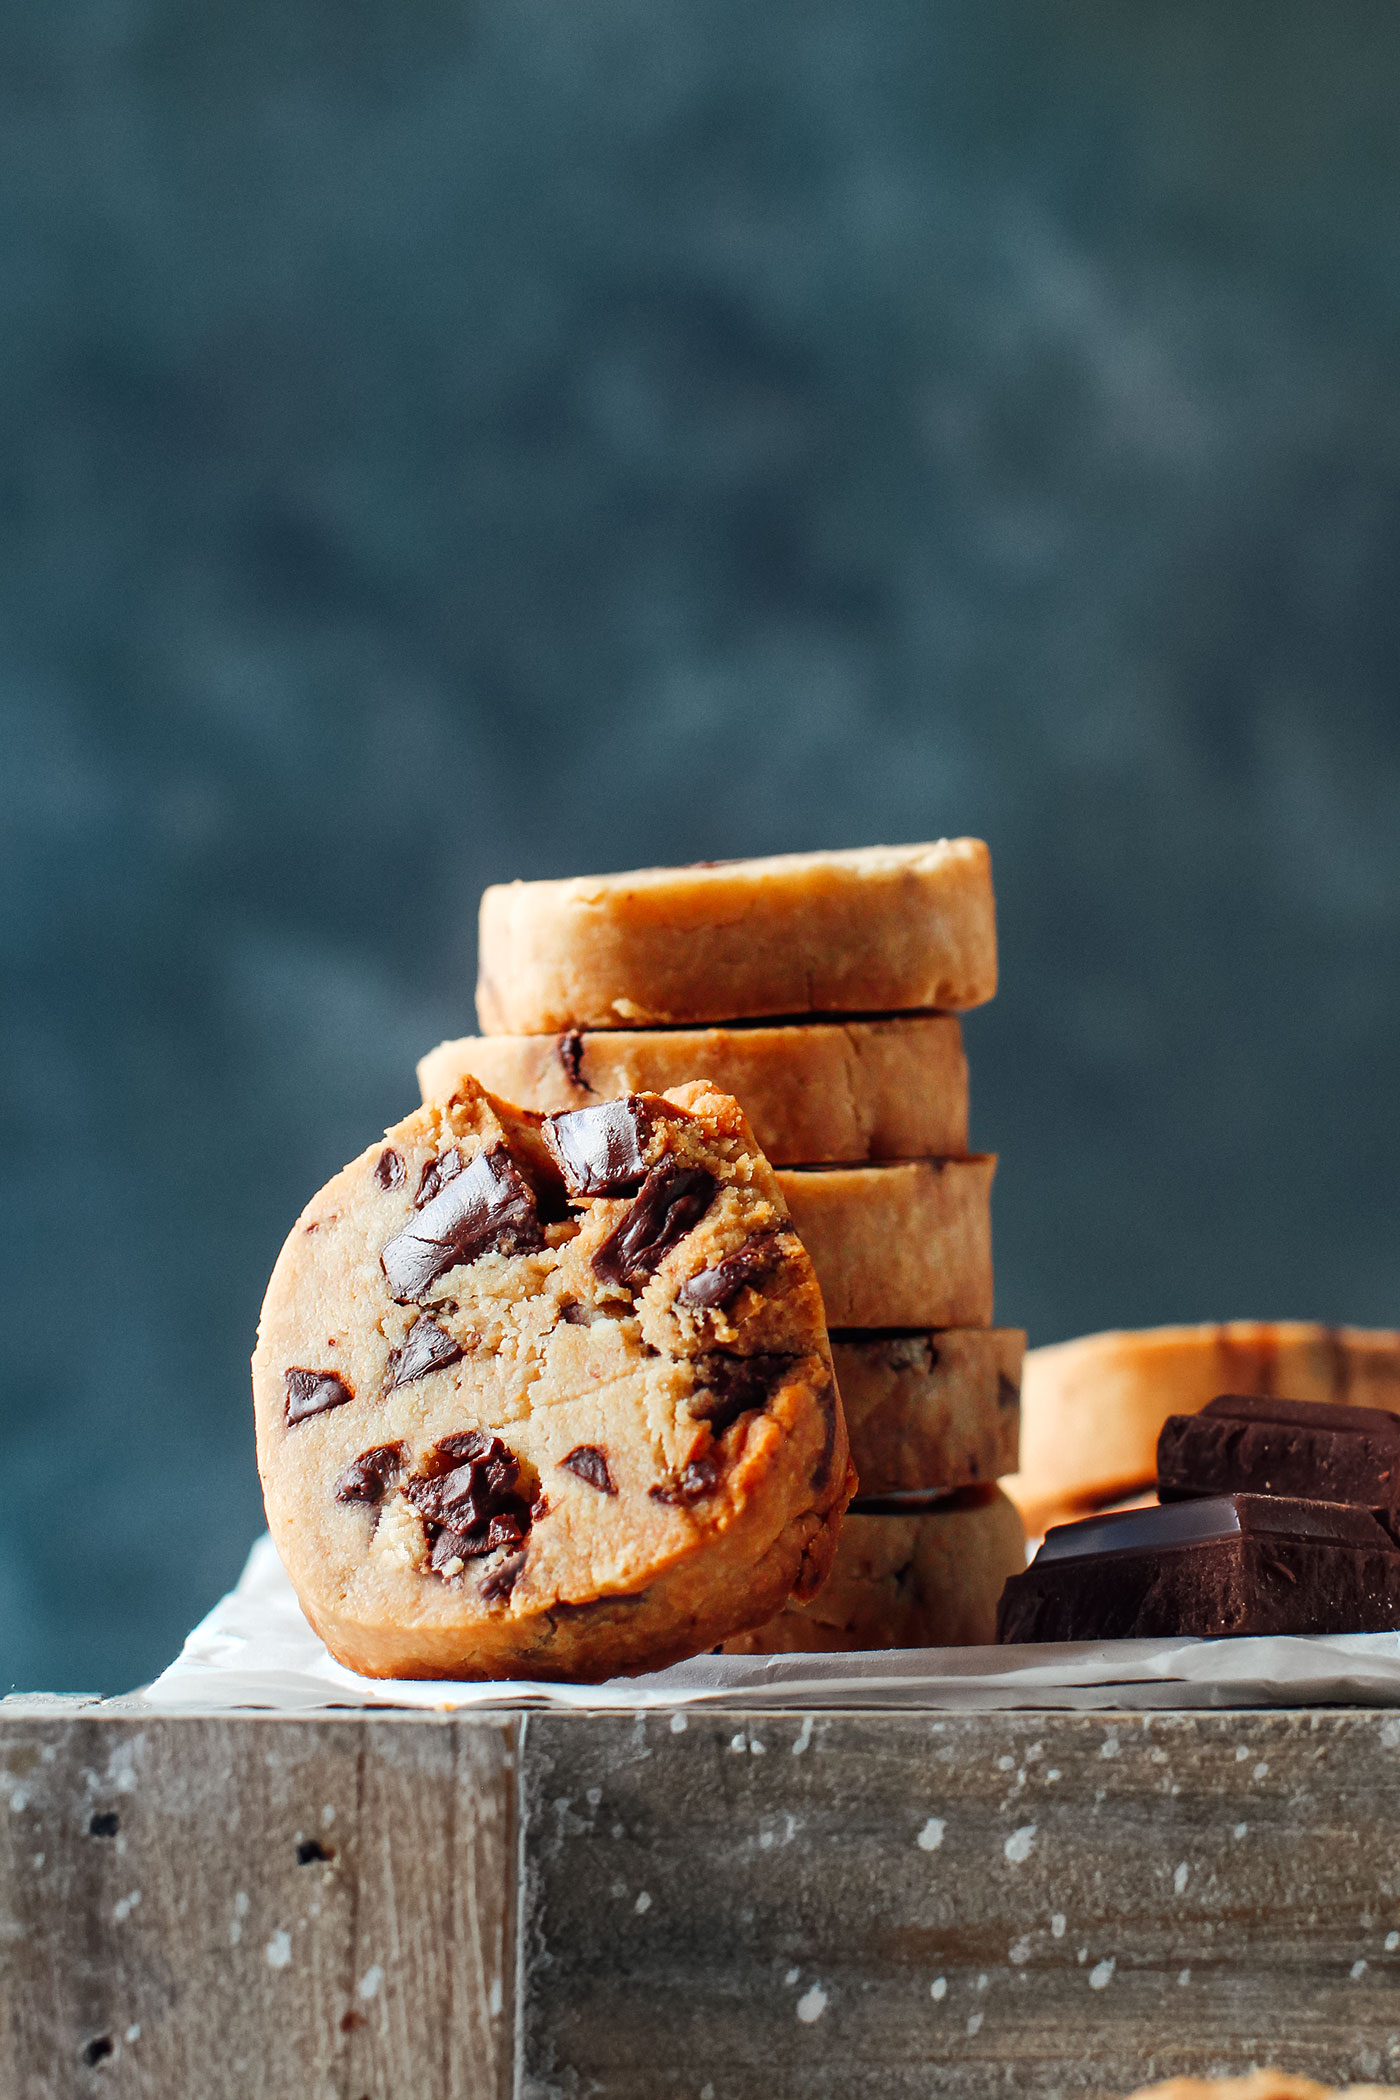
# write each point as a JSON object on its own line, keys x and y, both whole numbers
{"x": 716, "y": 1906}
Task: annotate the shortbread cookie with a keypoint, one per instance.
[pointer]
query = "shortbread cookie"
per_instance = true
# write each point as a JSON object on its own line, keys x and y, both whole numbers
{"x": 848, "y": 1090}
{"x": 931, "y": 1410}
{"x": 868, "y": 931}
{"x": 548, "y": 1400}
{"x": 929, "y": 1580}
{"x": 1261, "y": 2085}
{"x": 906, "y": 1244}
{"x": 1093, "y": 1409}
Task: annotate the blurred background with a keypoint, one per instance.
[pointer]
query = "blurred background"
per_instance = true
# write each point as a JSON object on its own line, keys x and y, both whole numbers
{"x": 440, "y": 443}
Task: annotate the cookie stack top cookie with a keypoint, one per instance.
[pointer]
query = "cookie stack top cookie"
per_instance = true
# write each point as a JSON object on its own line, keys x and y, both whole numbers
{"x": 822, "y": 991}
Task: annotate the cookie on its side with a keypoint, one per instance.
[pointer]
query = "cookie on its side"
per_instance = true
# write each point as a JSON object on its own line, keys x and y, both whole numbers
{"x": 821, "y": 1091}
{"x": 930, "y": 1579}
{"x": 904, "y": 1244}
{"x": 874, "y": 930}
{"x": 548, "y": 1399}
{"x": 1092, "y": 1409}
{"x": 931, "y": 1410}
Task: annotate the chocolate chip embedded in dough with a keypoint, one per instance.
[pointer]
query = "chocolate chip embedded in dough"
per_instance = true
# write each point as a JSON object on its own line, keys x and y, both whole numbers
{"x": 487, "y": 1208}
{"x": 729, "y": 1386}
{"x": 715, "y": 1288}
{"x": 697, "y": 1480}
{"x": 569, "y": 1050}
{"x": 426, "y": 1347}
{"x": 436, "y": 1175}
{"x": 601, "y": 1151}
{"x": 497, "y": 1586}
{"x": 366, "y": 1478}
{"x": 589, "y": 1463}
{"x": 467, "y": 1500}
{"x": 670, "y": 1201}
{"x": 312, "y": 1392}
{"x": 389, "y": 1169}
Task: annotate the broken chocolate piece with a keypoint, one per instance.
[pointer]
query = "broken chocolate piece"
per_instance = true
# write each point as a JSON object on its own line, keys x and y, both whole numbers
{"x": 312, "y": 1392}
{"x": 715, "y": 1288}
{"x": 1310, "y": 1448}
{"x": 367, "y": 1477}
{"x": 497, "y": 1586}
{"x": 671, "y": 1200}
{"x": 729, "y": 1386}
{"x": 466, "y": 1496}
{"x": 590, "y": 1464}
{"x": 1208, "y": 1568}
{"x": 695, "y": 1481}
{"x": 601, "y": 1150}
{"x": 426, "y": 1347}
{"x": 436, "y": 1175}
{"x": 389, "y": 1169}
{"x": 487, "y": 1208}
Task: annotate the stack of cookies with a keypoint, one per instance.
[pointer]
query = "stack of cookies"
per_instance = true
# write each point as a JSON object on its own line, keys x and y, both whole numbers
{"x": 820, "y": 991}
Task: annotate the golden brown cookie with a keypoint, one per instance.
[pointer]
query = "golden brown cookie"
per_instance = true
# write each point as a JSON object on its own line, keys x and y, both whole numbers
{"x": 931, "y": 1410}
{"x": 1092, "y": 1409}
{"x": 926, "y": 1580}
{"x": 845, "y": 1090}
{"x": 548, "y": 1399}
{"x": 867, "y": 931}
{"x": 905, "y": 1244}
{"x": 1261, "y": 2085}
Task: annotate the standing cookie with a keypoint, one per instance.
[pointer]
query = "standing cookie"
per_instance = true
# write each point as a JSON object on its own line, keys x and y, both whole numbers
{"x": 548, "y": 1398}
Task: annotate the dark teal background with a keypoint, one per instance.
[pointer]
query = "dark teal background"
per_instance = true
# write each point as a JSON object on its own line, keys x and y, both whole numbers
{"x": 440, "y": 443}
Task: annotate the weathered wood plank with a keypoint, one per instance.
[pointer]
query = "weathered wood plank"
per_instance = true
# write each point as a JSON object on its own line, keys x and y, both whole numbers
{"x": 900, "y": 1904}
{"x": 198, "y": 1909}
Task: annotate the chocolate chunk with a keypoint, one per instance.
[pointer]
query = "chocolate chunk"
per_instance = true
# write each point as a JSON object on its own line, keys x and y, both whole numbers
{"x": 466, "y": 1496}
{"x": 389, "y": 1169}
{"x": 717, "y": 1287}
{"x": 730, "y": 1386}
{"x": 486, "y": 1208}
{"x": 672, "y": 1199}
{"x": 569, "y": 1051}
{"x": 697, "y": 1480}
{"x": 426, "y": 1347}
{"x": 367, "y": 1477}
{"x": 436, "y": 1175}
{"x": 590, "y": 1464}
{"x": 312, "y": 1392}
{"x": 1314, "y": 1449}
{"x": 601, "y": 1150}
{"x": 575, "y": 1315}
{"x": 498, "y": 1585}
{"x": 1214, "y": 1566}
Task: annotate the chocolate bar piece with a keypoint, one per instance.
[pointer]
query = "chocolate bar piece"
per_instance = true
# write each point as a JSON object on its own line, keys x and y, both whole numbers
{"x": 1283, "y": 1447}
{"x": 1212, "y": 1566}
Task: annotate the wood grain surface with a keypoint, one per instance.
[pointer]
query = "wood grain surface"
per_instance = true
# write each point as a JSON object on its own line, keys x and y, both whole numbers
{"x": 899, "y": 1904}
{"x": 715, "y": 1906}
{"x": 260, "y": 1907}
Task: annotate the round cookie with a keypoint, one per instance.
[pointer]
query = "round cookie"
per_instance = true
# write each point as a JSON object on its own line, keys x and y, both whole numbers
{"x": 548, "y": 1399}
{"x": 1092, "y": 1409}
{"x": 939, "y": 1410}
{"x": 927, "y": 1580}
{"x": 1261, "y": 2085}
{"x": 845, "y": 1090}
{"x": 867, "y": 931}
{"x": 904, "y": 1244}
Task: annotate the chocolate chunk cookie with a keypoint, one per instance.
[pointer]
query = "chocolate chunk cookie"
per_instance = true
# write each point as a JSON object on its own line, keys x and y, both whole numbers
{"x": 548, "y": 1397}
{"x": 824, "y": 1090}
{"x": 874, "y": 930}
{"x": 926, "y": 1578}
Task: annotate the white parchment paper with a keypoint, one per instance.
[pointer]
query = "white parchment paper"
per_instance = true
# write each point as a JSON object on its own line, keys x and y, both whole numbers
{"x": 255, "y": 1649}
